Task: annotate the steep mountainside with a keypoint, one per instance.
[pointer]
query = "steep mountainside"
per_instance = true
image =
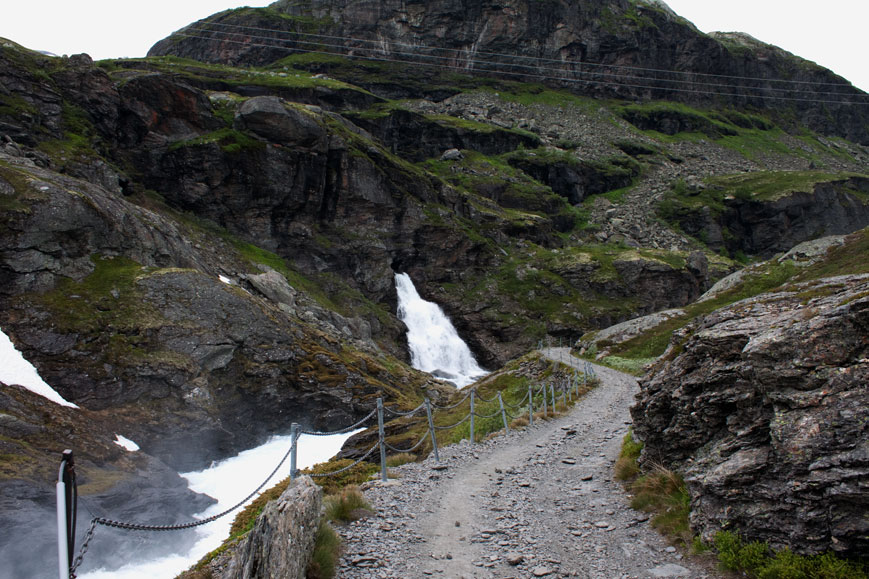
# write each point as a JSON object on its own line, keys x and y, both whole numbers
{"x": 633, "y": 49}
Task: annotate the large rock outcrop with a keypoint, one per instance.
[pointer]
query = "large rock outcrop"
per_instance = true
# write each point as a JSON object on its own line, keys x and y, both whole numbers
{"x": 282, "y": 539}
{"x": 762, "y": 405}
{"x": 765, "y": 227}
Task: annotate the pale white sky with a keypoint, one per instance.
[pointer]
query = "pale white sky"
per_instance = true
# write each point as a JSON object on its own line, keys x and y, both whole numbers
{"x": 829, "y": 32}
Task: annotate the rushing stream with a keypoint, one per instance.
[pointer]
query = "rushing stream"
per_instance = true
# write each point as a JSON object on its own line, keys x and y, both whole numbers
{"x": 435, "y": 346}
{"x": 228, "y": 481}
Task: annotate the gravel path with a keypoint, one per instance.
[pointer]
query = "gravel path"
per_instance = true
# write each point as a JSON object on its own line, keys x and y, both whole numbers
{"x": 537, "y": 503}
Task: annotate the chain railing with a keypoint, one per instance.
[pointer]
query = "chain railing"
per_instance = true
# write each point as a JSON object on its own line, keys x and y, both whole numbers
{"x": 67, "y": 497}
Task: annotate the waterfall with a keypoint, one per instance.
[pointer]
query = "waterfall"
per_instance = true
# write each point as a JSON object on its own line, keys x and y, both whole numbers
{"x": 435, "y": 346}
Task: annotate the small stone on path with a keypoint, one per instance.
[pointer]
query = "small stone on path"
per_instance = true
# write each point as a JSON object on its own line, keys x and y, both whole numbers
{"x": 669, "y": 570}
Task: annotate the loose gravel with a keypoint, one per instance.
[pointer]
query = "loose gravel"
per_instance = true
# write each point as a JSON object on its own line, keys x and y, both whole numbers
{"x": 535, "y": 503}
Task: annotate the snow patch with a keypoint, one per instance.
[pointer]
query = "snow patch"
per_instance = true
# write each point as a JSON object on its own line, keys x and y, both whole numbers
{"x": 126, "y": 443}
{"x": 225, "y": 279}
{"x": 14, "y": 369}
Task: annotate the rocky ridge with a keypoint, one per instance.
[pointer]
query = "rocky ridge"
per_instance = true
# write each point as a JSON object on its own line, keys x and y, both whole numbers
{"x": 578, "y": 44}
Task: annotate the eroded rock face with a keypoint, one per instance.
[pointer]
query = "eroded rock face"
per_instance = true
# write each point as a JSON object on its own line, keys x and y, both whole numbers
{"x": 764, "y": 410}
{"x": 282, "y": 539}
{"x": 765, "y": 228}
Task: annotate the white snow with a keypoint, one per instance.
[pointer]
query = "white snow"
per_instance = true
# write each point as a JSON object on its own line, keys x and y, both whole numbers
{"x": 228, "y": 481}
{"x": 14, "y": 369}
{"x": 225, "y": 279}
{"x": 126, "y": 443}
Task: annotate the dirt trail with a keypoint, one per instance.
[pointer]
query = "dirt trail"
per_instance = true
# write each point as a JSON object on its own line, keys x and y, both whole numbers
{"x": 540, "y": 503}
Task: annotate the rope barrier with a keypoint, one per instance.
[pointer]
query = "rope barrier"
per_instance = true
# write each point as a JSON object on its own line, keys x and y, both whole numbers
{"x": 497, "y": 412}
{"x": 519, "y": 405}
{"x": 486, "y": 400}
{"x": 192, "y": 524}
{"x": 346, "y": 468}
{"x": 381, "y": 443}
{"x": 411, "y": 449}
{"x": 350, "y": 428}
{"x": 467, "y": 416}
{"x": 398, "y": 413}
{"x": 436, "y": 407}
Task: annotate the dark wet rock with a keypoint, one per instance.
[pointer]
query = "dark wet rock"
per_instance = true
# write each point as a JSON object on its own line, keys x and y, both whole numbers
{"x": 762, "y": 410}
{"x": 418, "y": 137}
{"x": 275, "y": 121}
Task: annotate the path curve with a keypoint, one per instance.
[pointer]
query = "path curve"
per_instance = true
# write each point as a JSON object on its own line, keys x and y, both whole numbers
{"x": 537, "y": 503}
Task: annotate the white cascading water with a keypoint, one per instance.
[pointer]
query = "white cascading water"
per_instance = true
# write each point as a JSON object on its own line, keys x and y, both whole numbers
{"x": 435, "y": 346}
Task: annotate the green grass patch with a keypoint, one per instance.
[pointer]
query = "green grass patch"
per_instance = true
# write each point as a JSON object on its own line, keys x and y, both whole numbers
{"x": 850, "y": 258}
{"x": 229, "y": 140}
{"x": 635, "y": 366}
{"x": 105, "y": 300}
{"x": 627, "y": 465}
{"x": 757, "y": 560}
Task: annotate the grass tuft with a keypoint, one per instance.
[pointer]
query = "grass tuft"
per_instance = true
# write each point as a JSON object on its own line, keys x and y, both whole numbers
{"x": 346, "y": 506}
{"x": 627, "y": 466}
{"x": 663, "y": 492}
{"x": 327, "y": 549}
{"x": 395, "y": 460}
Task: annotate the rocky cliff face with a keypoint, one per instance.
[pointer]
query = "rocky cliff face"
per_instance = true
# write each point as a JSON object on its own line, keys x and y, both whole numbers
{"x": 765, "y": 227}
{"x": 582, "y": 45}
{"x": 762, "y": 406}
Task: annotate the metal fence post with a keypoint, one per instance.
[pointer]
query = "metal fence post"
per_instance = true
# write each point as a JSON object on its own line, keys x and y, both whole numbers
{"x": 431, "y": 429}
{"x": 294, "y": 437}
{"x": 382, "y": 439}
{"x": 530, "y": 406}
{"x": 503, "y": 413}
{"x": 473, "y": 395}
{"x": 552, "y": 393}
{"x": 570, "y": 388}
{"x": 545, "y": 412}
{"x": 64, "y": 525}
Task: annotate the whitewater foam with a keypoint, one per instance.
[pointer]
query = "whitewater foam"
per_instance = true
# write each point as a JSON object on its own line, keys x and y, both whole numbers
{"x": 435, "y": 345}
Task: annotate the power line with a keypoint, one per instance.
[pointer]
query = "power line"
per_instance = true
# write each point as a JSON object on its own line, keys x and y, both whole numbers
{"x": 460, "y": 52}
{"x": 457, "y": 68}
{"x": 472, "y": 61}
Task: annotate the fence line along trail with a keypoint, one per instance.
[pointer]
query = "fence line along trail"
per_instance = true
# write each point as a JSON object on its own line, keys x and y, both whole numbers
{"x": 536, "y": 503}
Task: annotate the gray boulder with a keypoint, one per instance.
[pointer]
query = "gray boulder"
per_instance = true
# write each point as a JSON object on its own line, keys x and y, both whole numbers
{"x": 282, "y": 540}
{"x": 270, "y": 118}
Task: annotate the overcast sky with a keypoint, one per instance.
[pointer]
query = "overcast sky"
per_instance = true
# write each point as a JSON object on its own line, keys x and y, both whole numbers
{"x": 829, "y": 32}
